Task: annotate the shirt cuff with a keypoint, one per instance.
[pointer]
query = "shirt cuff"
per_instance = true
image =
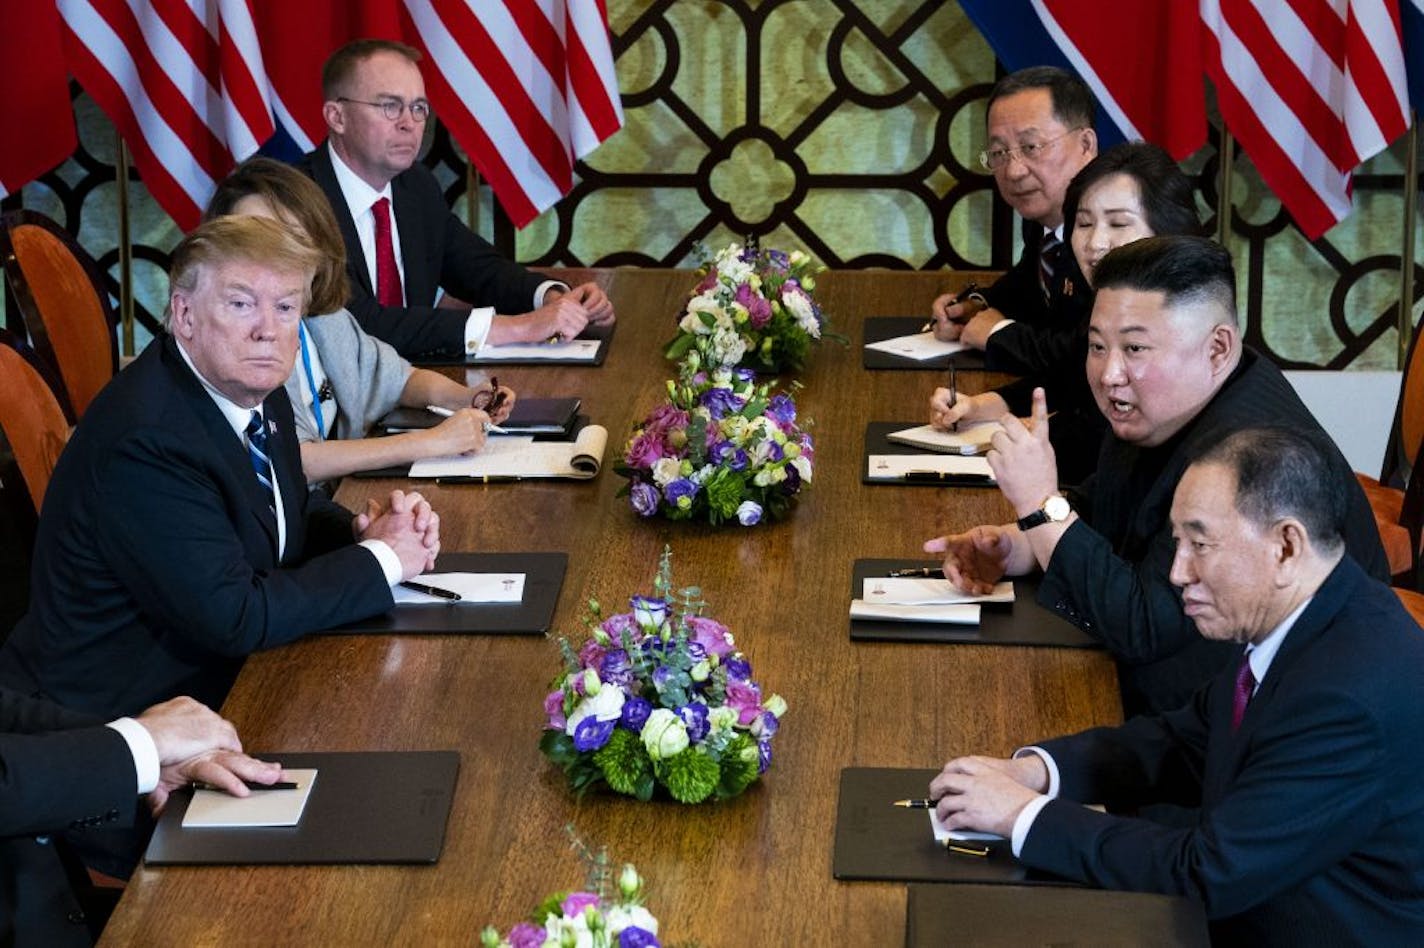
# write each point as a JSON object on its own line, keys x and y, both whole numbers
{"x": 390, "y": 563}
{"x": 1024, "y": 823}
{"x": 477, "y": 328}
{"x": 545, "y": 287}
{"x": 1048, "y": 764}
{"x": 144, "y": 751}
{"x": 1000, "y": 325}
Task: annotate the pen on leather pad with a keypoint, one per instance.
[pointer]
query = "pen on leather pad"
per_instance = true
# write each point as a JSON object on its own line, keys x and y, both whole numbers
{"x": 432, "y": 590}
{"x": 446, "y": 413}
{"x": 946, "y": 477}
{"x": 926, "y": 572}
{"x": 916, "y": 804}
{"x": 251, "y": 785}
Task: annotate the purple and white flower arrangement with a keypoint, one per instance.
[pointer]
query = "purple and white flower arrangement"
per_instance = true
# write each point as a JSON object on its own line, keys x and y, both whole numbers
{"x": 659, "y": 696}
{"x": 597, "y": 919}
{"x": 721, "y": 448}
{"x": 753, "y": 308}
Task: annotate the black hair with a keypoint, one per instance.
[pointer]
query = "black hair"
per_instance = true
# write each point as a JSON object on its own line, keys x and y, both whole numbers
{"x": 1073, "y": 103}
{"x": 1184, "y": 269}
{"x": 1168, "y": 201}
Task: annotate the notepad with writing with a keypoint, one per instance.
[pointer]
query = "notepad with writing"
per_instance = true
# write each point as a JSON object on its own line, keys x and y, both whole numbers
{"x": 969, "y": 439}
{"x": 522, "y": 456}
{"x": 574, "y": 350}
{"x": 927, "y": 591}
{"x": 473, "y": 588}
{"x": 212, "y": 809}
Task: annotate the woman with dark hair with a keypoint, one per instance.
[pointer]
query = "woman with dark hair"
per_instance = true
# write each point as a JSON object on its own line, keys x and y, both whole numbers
{"x": 344, "y": 380}
{"x": 1128, "y": 192}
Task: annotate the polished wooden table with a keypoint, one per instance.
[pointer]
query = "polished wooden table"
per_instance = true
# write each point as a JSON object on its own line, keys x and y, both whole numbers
{"x": 751, "y": 871}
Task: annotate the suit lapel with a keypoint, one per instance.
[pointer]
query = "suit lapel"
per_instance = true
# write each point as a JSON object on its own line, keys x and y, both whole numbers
{"x": 358, "y": 268}
{"x": 418, "y": 291}
{"x": 231, "y": 449}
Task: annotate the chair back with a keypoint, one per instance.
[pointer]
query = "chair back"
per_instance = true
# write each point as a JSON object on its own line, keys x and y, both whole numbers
{"x": 61, "y": 297}
{"x": 31, "y": 421}
{"x": 1407, "y": 433}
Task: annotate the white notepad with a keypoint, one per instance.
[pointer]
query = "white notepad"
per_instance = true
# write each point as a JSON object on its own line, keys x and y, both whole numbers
{"x": 575, "y": 350}
{"x": 969, "y": 439}
{"x": 918, "y": 346}
{"x": 521, "y": 456}
{"x": 894, "y": 467}
{"x": 211, "y": 809}
{"x": 948, "y": 613}
{"x": 472, "y": 587}
{"x": 926, "y": 591}
{"x": 943, "y": 833}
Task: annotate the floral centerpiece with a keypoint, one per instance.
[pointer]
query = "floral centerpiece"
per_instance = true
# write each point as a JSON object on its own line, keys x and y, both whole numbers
{"x": 606, "y": 916}
{"x": 721, "y": 447}
{"x": 660, "y": 697}
{"x": 754, "y": 308}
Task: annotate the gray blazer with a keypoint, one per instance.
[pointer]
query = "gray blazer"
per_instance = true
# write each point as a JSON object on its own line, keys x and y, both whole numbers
{"x": 366, "y": 376}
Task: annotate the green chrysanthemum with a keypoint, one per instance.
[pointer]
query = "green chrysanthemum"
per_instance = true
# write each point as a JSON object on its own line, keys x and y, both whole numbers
{"x": 739, "y": 766}
{"x": 691, "y": 776}
{"x": 624, "y": 762}
{"x": 724, "y": 492}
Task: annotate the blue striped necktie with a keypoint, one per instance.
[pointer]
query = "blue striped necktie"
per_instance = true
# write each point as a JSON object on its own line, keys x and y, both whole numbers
{"x": 1048, "y": 262}
{"x": 257, "y": 454}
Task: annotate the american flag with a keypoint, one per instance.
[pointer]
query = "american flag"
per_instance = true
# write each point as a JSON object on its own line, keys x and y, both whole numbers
{"x": 527, "y": 87}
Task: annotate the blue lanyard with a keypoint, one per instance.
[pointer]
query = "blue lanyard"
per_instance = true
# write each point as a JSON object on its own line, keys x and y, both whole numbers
{"x": 311, "y": 380}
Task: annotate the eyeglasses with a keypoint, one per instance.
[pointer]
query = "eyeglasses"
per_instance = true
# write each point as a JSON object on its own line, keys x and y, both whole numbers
{"x": 393, "y": 108}
{"x": 995, "y": 158}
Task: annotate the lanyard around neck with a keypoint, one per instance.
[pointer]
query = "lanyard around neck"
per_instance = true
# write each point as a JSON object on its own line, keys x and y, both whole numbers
{"x": 311, "y": 380}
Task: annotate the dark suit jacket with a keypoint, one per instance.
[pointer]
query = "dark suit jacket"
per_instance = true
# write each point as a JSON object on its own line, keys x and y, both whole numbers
{"x": 1048, "y": 345}
{"x": 155, "y": 569}
{"x": 58, "y": 770}
{"x": 1109, "y": 572}
{"x": 1312, "y": 814}
{"x": 438, "y": 251}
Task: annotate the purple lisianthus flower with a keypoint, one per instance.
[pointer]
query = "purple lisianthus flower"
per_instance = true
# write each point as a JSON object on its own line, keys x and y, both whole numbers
{"x": 749, "y": 513}
{"x": 738, "y": 669}
{"x": 666, "y": 416}
{"x": 661, "y": 674}
{"x": 635, "y": 937}
{"x": 763, "y": 756}
{"x": 591, "y": 734}
{"x": 782, "y": 410}
{"x": 591, "y": 655}
{"x": 644, "y": 498}
{"x": 778, "y": 259}
{"x": 766, "y": 725}
{"x": 682, "y": 487}
{"x": 649, "y": 611}
{"x": 792, "y": 484}
{"x": 635, "y": 714}
{"x": 526, "y": 935}
{"x": 711, "y": 635}
{"x": 757, "y": 307}
{"x": 554, "y": 708}
{"x": 745, "y": 697}
{"x": 774, "y": 452}
{"x": 616, "y": 669}
{"x": 695, "y": 717}
{"x": 721, "y": 402}
{"x": 730, "y": 455}
{"x": 575, "y": 902}
{"x": 646, "y": 449}
{"x": 616, "y": 625}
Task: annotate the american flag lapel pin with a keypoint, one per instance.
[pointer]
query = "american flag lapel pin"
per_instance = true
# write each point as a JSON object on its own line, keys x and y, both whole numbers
{"x": 271, "y": 426}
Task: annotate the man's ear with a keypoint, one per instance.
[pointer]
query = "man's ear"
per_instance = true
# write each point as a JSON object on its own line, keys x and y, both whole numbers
{"x": 1088, "y": 141}
{"x": 1221, "y": 344}
{"x": 1291, "y": 544}
{"x": 181, "y": 322}
{"x": 334, "y": 116}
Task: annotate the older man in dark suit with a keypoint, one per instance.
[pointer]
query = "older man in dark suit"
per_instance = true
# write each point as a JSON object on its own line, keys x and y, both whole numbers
{"x": 61, "y": 770}
{"x": 178, "y": 535}
{"x": 403, "y": 244}
{"x": 1303, "y": 755}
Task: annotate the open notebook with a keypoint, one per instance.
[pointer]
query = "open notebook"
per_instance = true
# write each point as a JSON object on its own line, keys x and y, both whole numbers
{"x": 520, "y": 457}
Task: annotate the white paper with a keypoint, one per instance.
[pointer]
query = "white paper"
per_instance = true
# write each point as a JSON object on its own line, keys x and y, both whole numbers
{"x": 969, "y": 439}
{"x": 472, "y": 587}
{"x": 575, "y": 350}
{"x": 942, "y": 833}
{"x": 918, "y": 346}
{"x": 951, "y": 614}
{"x": 925, "y": 591}
{"x": 522, "y": 456}
{"x": 894, "y": 467}
{"x": 215, "y": 808}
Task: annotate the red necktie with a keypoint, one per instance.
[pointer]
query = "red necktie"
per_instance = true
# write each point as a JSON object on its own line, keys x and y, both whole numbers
{"x": 388, "y": 281}
{"x": 1245, "y": 687}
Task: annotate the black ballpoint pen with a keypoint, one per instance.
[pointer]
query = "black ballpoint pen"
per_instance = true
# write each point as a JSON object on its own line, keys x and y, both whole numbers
{"x": 945, "y": 477}
{"x": 251, "y": 785}
{"x": 432, "y": 590}
{"x": 925, "y": 572}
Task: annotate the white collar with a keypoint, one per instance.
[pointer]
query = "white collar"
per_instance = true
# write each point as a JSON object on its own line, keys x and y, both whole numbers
{"x": 1263, "y": 653}
{"x": 359, "y": 195}
{"x": 237, "y": 416}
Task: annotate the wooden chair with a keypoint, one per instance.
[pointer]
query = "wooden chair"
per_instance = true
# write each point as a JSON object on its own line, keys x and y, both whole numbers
{"x": 61, "y": 297}
{"x": 32, "y": 424}
{"x": 1395, "y": 497}
{"x": 1412, "y": 601}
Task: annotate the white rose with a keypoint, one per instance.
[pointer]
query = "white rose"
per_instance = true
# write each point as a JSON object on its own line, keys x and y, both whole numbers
{"x": 666, "y": 470}
{"x": 800, "y": 307}
{"x": 664, "y": 735}
{"x": 803, "y": 467}
{"x": 607, "y": 705}
{"x": 620, "y": 917}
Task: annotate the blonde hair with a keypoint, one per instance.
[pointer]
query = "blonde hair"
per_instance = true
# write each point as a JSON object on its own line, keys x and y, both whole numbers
{"x": 259, "y": 240}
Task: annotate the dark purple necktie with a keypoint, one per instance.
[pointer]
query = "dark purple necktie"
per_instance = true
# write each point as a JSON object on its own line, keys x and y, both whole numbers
{"x": 1245, "y": 687}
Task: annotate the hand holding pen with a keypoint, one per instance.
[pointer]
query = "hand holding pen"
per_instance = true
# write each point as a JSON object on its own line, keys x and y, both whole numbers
{"x": 951, "y": 311}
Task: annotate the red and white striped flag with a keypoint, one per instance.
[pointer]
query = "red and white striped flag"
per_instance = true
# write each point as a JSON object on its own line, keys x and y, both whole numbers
{"x": 1310, "y": 88}
{"x": 181, "y": 80}
{"x": 36, "y": 88}
{"x": 526, "y": 86}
